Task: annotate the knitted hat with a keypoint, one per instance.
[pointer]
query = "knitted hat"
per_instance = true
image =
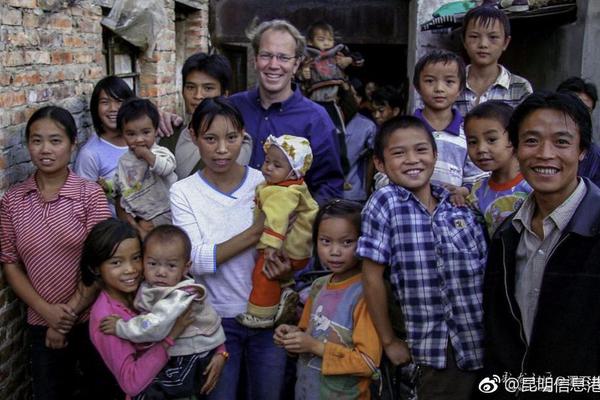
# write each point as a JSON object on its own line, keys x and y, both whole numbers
{"x": 296, "y": 149}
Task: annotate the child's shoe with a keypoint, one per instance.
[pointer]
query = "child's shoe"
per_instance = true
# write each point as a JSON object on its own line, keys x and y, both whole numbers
{"x": 286, "y": 313}
{"x": 252, "y": 321}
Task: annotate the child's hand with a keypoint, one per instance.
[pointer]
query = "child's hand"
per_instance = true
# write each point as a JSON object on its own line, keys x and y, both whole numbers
{"x": 398, "y": 352}
{"x": 108, "y": 325}
{"x": 458, "y": 200}
{"x": 141, "y": 152}
{"x": 281, "y": 331}
{"x": 342, "y": 61}
{"x": 302, "y": 342}
{"x": 213, "y": 372}
{"x": 270, "y": 253}
{"x": 55, "y": 339}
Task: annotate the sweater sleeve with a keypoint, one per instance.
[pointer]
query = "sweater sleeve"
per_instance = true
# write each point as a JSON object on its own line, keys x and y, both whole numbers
{"x": 278, "y": 203}
{"x": 164, "y": 163}
{"x": 204, "y": 251}
{"x": 341, "y": 360}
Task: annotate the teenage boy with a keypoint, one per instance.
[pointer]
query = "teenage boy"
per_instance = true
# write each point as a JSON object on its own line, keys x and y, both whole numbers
{"x": 435, "y": 253}
{"x": 588, "y": 94}
{"x": 486, "y": 35}
{"x": 387, "y": 103}
{"x": 541, "y": 303}
{"x": 277, "y": 107}
{"x": 203, "y": 76}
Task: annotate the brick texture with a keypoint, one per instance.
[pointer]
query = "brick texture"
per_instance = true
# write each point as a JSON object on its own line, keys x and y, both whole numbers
{"x": 51, "y": 53}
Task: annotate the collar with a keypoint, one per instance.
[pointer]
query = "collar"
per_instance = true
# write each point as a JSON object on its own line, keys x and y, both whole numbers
{"x": 438, "y": 192}
{"x": 503, "y": 78}
{"x": 453, "y": 128}
{"x": 288, "y": 182}
{"x": 70, "y": 188}
{"x": 254, "y": 96}
{"x": 499, "y": 187}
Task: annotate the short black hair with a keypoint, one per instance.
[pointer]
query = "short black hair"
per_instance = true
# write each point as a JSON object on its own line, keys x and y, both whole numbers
{"x": 392, "y": 125}
{"x": 136, "y": 108}
{"x": 388, "y": 95}
{"x": 208, "y": 109}
{"x": 57, "y": 114}
{"x": 170, "y": 233}
{"x": 565, "y": 102}
{"x": 321, "y": 25}
{"x": 338, "y": 208}
{"x": 491, "y": 109}
{"x": 486, "y": 15}
{"x": 101, "y": 244}
{"x": 440, "y": 56}
{"x": 114, "y": 87}
{"x": 577, "y": 85}
{"x": 216, "y": 66}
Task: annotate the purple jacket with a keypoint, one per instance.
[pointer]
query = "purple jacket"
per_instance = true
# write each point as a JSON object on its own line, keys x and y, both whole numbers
{"x": 302, "y": 117}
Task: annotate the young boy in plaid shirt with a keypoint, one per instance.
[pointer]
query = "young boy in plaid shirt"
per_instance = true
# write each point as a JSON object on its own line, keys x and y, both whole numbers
{"x": 436, "y": 254}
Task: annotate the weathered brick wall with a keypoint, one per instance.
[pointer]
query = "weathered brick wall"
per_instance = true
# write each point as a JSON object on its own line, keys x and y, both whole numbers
{"x": 51, "y": 53}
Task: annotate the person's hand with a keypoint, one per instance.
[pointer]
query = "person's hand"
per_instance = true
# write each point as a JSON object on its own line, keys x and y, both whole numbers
{"x": 141, "y": 152}
{"x": 278, "y": 268}
{"x": 182, "y": 322}
{"x": 59, "y": 317}
{"x": 458, "y": 200}
{"x": 281, "y": 331}
{"x": 301, "y": 342}
{"x": 398, "y": 352}
{"x": 213, "y": 372}
{"x": 270, "y": 253}
{"x": 342, "y": 61}
{"x": 55, "y": 339}
{"x": 167, "y": 122}
{"x": 108, "y": 325}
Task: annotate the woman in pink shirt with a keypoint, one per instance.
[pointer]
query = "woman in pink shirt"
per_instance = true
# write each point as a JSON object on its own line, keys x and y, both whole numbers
{"x": 112, "y": 258}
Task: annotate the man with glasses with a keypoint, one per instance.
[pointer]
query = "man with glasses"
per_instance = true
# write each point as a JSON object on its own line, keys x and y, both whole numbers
{"x": 277, "y": 107}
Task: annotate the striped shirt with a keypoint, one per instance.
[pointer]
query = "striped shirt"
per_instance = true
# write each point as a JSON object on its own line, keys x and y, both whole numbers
{"x": 436, "y": 269}
{"x": 510, "y": 88}
{"x": 47, "y": 237}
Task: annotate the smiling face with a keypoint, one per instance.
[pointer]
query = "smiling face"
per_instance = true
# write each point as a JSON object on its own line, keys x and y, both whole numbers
{"x": 439, "y": 85}
{"x": 408, "y": 160}
{"x": 336, "y": 243}
{"x": 275, "y": 76}
{"x": 549, "y": 154}
{"x": 488, "y": 144}
{"x": 485, "y": 43}
{"x": 198, "y": 86}
{"x": 219, "y": 146}
{"x": 165, "y": 262}
{"x": 139, "y": 132}
{"x": 49, "y": 146}
{"x": 276, "y": 167}
{"x": 108, "y": 107}
{"x": 122, "y": 272}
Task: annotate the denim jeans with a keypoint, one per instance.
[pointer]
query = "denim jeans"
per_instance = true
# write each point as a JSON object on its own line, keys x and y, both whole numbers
{"x": 254, "y": 351}
{"x": 74, "y": 372}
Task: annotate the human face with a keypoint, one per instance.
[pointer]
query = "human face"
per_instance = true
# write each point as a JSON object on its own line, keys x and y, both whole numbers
{"x": 276, "y": 167}
{"x": 383, "y": 112}
{"x": 219, "y": 146}
{"x": 322, "y": 40}
{"x": 408, "y": 160}
{"x": 549, "y": 154}
{"x": 165, "y": 262}
{"x": 488, "y": 144}
{"x": 121, "y": 273}
{"x": 274, "y": 76}
{"x": 108, "y": 107}
{"x": 485, "y": 43}
{"x": 49, "y": 146}
{"x": 139, "y": 132}
{"x": 199, "y": 86}
{"x": 336, "y": 244}
{"x": 439, "y": 85}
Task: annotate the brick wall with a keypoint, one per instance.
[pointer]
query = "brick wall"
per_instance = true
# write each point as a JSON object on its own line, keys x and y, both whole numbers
{"x": 51, "y": 53}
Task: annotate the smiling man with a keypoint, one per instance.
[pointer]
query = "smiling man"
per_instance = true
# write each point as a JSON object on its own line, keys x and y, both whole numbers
{"x": 541, "y": 303}
{"x": 277, "y": 107}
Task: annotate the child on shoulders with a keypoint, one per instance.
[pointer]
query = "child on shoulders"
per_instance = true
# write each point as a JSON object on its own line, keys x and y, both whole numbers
{"x": 287, "y": 158}
{"x": 337, "y": 343}
{"x": 146, "y": 172}
{"x": 198, "y": 355}
{"x": 501, "y": 194}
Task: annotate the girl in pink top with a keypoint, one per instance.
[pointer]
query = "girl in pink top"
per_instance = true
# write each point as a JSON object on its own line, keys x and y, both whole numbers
{"x": 112, "y": 257}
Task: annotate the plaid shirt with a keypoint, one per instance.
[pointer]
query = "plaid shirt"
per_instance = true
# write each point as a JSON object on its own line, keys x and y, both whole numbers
{"x": 437, "y": 263}
{"x": 510, "y": 88}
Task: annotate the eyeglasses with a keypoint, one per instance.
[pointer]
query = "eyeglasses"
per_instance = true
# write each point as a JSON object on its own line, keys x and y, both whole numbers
{"x": 282, "y": 58}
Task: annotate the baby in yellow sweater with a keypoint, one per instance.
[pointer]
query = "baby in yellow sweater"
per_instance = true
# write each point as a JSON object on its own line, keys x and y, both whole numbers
{"x": 287, "y": 158}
